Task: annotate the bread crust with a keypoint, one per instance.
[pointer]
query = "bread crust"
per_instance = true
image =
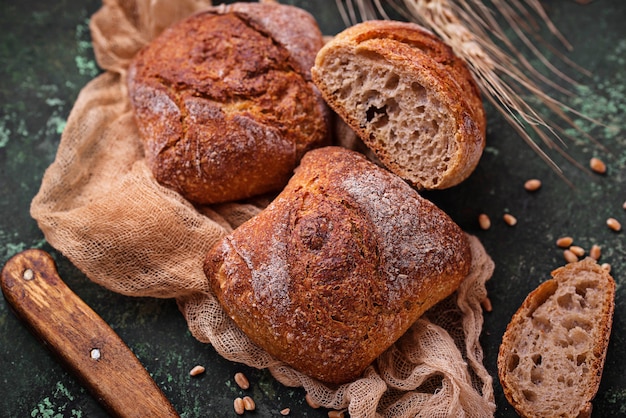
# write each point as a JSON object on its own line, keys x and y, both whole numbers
{"x": 417, "y": 57}
{"x": 537, "y": 355}
{"x": 224, "y": 100}
{"x": 338, "y": 266}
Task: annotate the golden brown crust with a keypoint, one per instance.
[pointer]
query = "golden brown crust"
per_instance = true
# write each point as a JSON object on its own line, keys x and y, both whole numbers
{"x": 224, "y": 102}
{"x": 563, "y": 327}
{"x": 416, "y": 55}
{"x": 338, "y": 266}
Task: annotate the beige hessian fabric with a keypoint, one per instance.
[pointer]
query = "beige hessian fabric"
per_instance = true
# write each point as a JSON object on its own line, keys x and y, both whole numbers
{"x": 100, "y": 206}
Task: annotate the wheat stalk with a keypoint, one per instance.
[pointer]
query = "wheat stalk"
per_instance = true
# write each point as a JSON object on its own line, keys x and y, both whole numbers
{"x": 503, "y": 74}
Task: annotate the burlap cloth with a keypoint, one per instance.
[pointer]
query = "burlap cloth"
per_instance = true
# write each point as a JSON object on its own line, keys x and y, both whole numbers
{"x": 100, "y": 206}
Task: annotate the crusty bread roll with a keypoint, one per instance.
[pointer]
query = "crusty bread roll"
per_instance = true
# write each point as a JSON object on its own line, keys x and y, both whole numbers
{"x": 338, "y": 266}
{"x": 552, "y": 353}
{"x": 408, "y": 97}
{"x": 224, "y": 100}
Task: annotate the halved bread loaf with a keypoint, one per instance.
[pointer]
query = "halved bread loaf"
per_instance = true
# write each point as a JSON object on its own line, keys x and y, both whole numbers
{"x": 408, "y": 97}
{"x": 552, "y": 353}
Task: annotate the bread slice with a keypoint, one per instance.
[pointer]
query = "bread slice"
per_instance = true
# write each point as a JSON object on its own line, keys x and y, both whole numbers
{"x": 408, "y": 97}
{"x": 552, "y": 353}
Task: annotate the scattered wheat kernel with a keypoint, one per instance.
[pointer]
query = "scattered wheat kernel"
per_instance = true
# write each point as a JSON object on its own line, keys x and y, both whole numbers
{"x": 569, "y": 256}
{"x": 564, "y": 242}
{"x": 196, "y": 370}
{"x": 238, "y": 405}
{"x": 624, "y": 205}
{"x": 242, "y": 380}
{"x": 532, "y": 185}
{"x": 486, "y": 304}
{"x": 484, "y": 221}
{"x": 614, "y": 224}
{"x": 285, "y": 411}
{"x": 606, "y": 266}
{"x": 335, "y": 414}
{"x": 248, "y": 403}
{"x": 595, "y": 252}
{"x": 597, "y": 165}
{"x": 578, "y": 251}
{"x": 309, "y": 400}
{"x": 509, "y": 219}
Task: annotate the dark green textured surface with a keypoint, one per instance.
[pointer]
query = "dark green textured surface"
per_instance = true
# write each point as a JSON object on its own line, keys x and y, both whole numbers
{"x": 45, "y": 58}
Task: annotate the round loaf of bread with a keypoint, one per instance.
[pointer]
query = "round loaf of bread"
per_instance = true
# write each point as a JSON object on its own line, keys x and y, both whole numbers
{"x": 338, "y": 266}
{"x": 224, "y": 100}
{"x": 411, "y": 100}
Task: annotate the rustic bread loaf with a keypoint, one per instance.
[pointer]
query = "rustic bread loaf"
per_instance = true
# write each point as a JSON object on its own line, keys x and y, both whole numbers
{"x": 408, "y": 97}
{"x": 338, "y": 266}
{"x": 224, "y": 100}
{"x": 552, "y": 353}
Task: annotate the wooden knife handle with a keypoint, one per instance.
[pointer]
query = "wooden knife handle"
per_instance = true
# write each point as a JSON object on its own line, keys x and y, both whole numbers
{"x": 80, "y": 338}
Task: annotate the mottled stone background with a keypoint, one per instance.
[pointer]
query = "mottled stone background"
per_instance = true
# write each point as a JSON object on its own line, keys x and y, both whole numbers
{"x": 46, "y": 58}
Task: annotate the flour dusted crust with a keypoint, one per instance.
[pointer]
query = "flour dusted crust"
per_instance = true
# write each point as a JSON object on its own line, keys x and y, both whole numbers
{"x": 338, "y": 266}
{"x": 552, "y": 353}
{"x": 224, "y": 100}
{"x": 411, "y": 100}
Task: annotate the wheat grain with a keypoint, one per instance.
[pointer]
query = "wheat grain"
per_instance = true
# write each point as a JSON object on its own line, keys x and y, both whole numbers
{"x": 509, "y": 219}
{"x": 597, "y": 165}
{"x": 564, "y": 242}
{"x": 595, "y": 252}
{"x": 614, "y": 224}
{"x": 242, "y": 381}
{"x": 532, "y": 185}
{"x": 239, "y": 406}
{"x": 197, "y": 370}
{"x": 484, "y": 221}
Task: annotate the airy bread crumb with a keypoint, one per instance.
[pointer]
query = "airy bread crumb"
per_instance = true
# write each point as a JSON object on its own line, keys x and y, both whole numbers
{"x": 408, "y": 97}
{"x": 553, "y": 350}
